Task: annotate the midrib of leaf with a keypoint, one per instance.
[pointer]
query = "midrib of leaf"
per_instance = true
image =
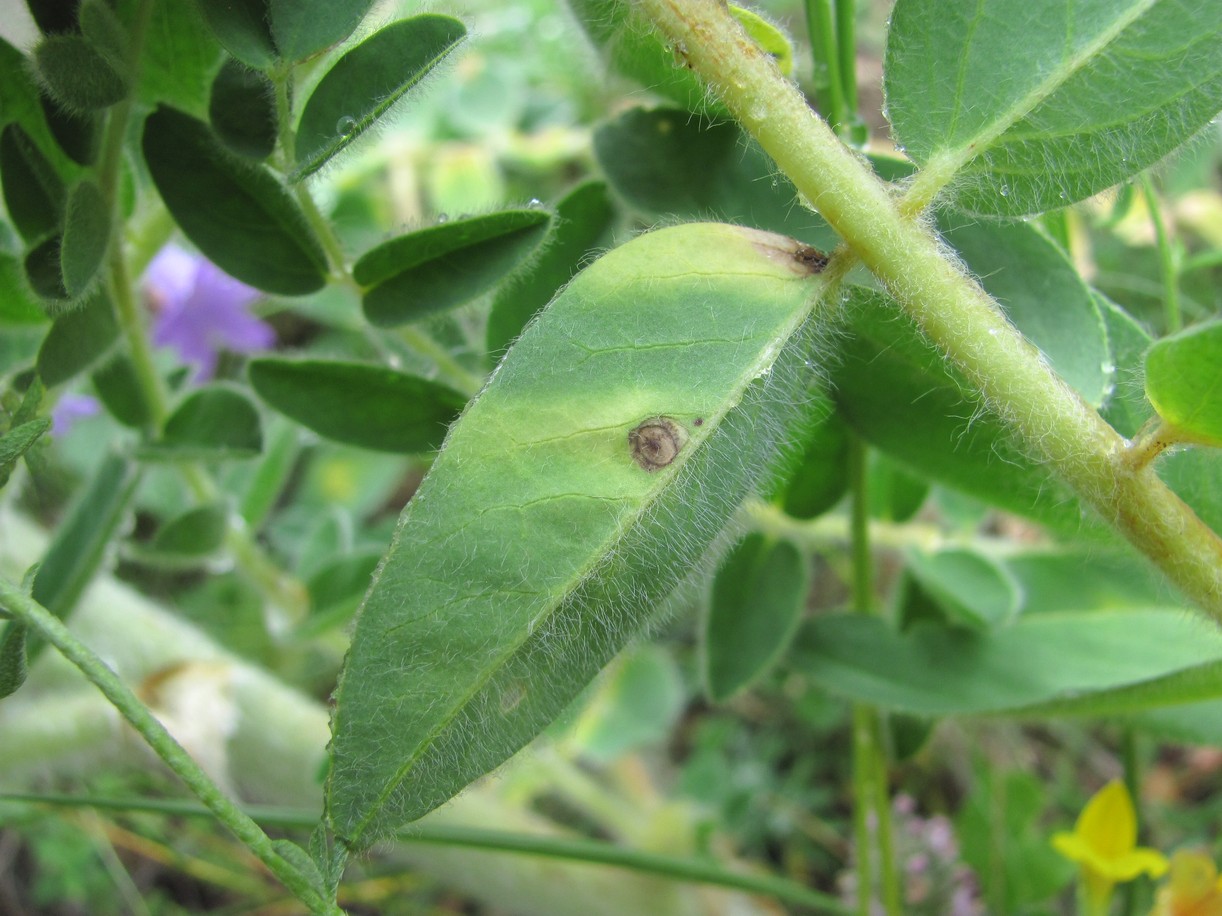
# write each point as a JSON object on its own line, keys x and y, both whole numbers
{"x": 942, "y": 167}
{"x": 555, "y": 598}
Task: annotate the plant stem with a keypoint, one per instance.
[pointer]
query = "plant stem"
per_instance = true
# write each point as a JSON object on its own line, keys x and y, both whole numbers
{"x": 1172, "y": 317}
{"x": 821, "y": 26}
{"x": 954, "y": 312}
{"x": 846, "y": 56}
{"x": 170, "y": 751}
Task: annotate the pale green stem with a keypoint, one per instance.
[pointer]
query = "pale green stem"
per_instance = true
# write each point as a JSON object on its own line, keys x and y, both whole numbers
{"x": 37, "y": 617}
{"x": 863, "y": 792}
{"x": 821, "y": 26}
{"x": 953, "y": 311}
{"x": 846, "y": 55}
{"x": 448, "y": 368}
{"x": 1172, "y": 319}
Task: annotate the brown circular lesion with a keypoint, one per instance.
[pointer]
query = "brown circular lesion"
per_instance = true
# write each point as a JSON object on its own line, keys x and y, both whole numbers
{"x": 656, "y": 442}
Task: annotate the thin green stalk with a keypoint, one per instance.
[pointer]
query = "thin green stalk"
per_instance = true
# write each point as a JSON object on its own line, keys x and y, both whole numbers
{"x": 821, "y": 27}
{"x": 863, "y": 794}
{"x": 34, "y": 615}
{"x": 576, "y": 850}
{"x": 1049, "y": 418}
{"x": 1172, "y": 317}
{"x": 888, "y": 875}
{"x": 130, "y": 318}
{"x": 448, "y": 368}
{"x": 846, "y": 55}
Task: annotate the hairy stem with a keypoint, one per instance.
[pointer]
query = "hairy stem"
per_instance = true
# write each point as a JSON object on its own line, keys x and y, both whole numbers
{"x": 953, "y": 311}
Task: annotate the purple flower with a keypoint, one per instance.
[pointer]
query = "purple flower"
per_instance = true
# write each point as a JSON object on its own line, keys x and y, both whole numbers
{"x": 200, "y": 310}
{"x": 70, "y": 408}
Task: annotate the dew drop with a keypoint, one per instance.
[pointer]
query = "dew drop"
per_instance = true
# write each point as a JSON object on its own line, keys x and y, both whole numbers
{"x": 535, "y": 204}
{"x": 1005, "y": 190}
{"x": 443, "y": 217}
{"x": 345, "y": 125}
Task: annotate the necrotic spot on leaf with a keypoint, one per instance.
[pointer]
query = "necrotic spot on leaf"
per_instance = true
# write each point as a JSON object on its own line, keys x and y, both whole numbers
{"x": 812, "y": 259}
{"x": 656, "y": 442}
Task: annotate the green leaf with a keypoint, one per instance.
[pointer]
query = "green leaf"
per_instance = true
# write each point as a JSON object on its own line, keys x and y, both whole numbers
{"x": 236, "y": 212}
{"x": 445, "y": 265}
{"x": 243, "y": 29}
{"x": 646, "y": 401}
{"x": 119, "y": 389}
{"x": 83, "y": 536}
{"x": 1184, "y": 382}
{"x": 33, "y": 191}
{"x": 78, "y": 75}
{"x": 1059, "y": 663}
{"x": 364, "y": 84}
{"x": 634, "y": 705}
{"x": 187, "y": 540}
{"x": 13, "y": 663}
{"x": 970, "y": 588}
{"x": 336, "y": 591}
{"x": 302, "y": 28}
{"x": 665, "y": 162}
{"x": 54, "y": 16}
{"x": 86, "y": 238}
{"x": 582, "y": 225}
{"x": 18, "y": 440}
{"x": 1042, "y": 294}
{"x": 213, "y": 423}
{"x": 17, "y": 304}
{"x": 894, "y": 493}
{"x": 1034, "y": 110}
{"x": 758, "y": 597}
{"x": 767, "y": 36}
{"x": 78, "y": 135}
{"x": 45, "y": 275}
{"x": 77, "y": 340}
{"x": 820, "y": 478}
{"x": 101, "y": 26}
{"x": 180, "y": 57}
{"x": 358, "y": 404}
{"x": 895, "y": 390}
{"x": 242, "y": 110}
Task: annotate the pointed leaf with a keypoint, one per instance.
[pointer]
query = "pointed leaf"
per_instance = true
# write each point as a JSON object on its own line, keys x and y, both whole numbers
{"x": 77, "y": 339}
{"x": 615, "y": 441}
{"x": 971, "y": 589}
{"x": 186, "y": 540}
{"x": 445, "y": 265}
{"x": 820, "y": 478}
{"x": 238, "y": 214}
{"x": 358, "y": 404}
{"x": 757, "y": 602}
{"x": 78, "y": 75}
{"x": 86, "y": 238}
{"x": 18, "y": 440}
{"x": 242, "y": 110}
{"x": 212, "y": 423}
{"x": 1184, "y": 382}
{"x": 583, "y": 223}
{"x": 1091, "y": 94}
{"x": 242, "y": 27}
{"x": 364, "y": 84}
{"x": 1056, "y": 660}
{"x": 33, "y": 191}
{"x": 302, "y": 28}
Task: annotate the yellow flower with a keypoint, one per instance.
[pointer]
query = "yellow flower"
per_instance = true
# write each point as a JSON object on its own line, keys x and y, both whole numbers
{"x": 1193, "y": 889}
{"x": 1104, "y": 844}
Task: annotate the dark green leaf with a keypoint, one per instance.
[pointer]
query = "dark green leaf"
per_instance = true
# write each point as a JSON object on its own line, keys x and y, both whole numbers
{"x": 302, "y": 28}
{"x": 53, "y": 16}
{"x": 758, "y": 597}
{"x": 364, "y": 84}
{"x": 359, "y": 404}
{"x": 238, "y": 214}
{"x": 102, "y": 28}
{"x": 13, "y": 665}
{"x": 33, "y": 191}
{"x": 1033, "y": 110}
{"x": 120, "y": 391}
{"x": 243, "y": 28}
{"x": 1184, "y": 382}
{"x": 894, "y": 493}
{"x": 648, "y": 399}
{"x": 445, "y": 265}
{"x": 820, "y": 477}
{"x": 78, "y": 135}
{"x": 666, "y": 162}
{"x": 18, "y": 440}
{"x": 213, "y": 423}
{"x": 17, "y": 304}
{"x": 336, "y": 591}
{"x": 77, "y": 74}
{"x": 45, "y": 275}
{"x": 1060, "y": 663}
{"x": 180, "y": 57}
{"x": 187, "y": 539}
{"x": 77, "y": 339}
{"x": 86, "y": 238}
{"x": 583, "y": 224}
{"x": 971, "y": 589}
{"x": 242, "y": 110}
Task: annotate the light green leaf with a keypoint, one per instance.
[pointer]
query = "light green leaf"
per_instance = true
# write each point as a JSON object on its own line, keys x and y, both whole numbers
{"x": 646, "y": 400}
{"x": 180, "y": 56}
{"x": 77, "y": 339}
{"x": 634, "y": 704}
{"x": 369, "y": 79}
{"x": 187, "y": 540}
{"x": 1184, "y": 382}
{"x": 758, "y": 597}
{"x": 970, "y": 588}
{"x": 216, "y": 422}
{"x": 1057, "y": 663}
{"x": 1033, "y": 107}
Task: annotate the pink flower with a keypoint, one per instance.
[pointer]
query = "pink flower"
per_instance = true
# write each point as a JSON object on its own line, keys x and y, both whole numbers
{"x": 200, "y": 310}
